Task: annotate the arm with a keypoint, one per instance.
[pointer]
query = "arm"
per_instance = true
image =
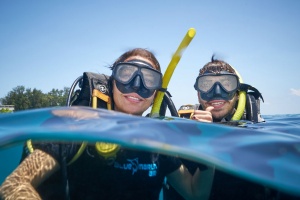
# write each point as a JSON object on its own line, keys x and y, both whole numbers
{"x": 21, "y": 183}
{"x": 192, "y": 187}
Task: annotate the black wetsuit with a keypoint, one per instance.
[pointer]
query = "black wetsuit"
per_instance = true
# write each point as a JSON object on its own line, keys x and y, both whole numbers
{"x": 132, "y": 175}
{"x": 226, "y": 186}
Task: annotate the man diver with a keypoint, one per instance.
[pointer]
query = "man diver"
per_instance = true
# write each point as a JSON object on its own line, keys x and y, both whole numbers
{"x": 218, "y": 88}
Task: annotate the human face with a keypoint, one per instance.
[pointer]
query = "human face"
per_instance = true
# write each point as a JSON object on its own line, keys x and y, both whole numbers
{"x": 222, "y": 108}
{"x": 132, "y": 103}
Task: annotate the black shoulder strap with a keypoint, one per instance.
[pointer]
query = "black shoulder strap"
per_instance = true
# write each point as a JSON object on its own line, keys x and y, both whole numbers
{"x": 251, "y": 108}
{"x": 91, "y": 81}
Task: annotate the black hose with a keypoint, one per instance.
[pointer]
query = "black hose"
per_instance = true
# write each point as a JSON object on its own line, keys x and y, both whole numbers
{"x": 72, "y": 89}
{"x": 167, "y": 101}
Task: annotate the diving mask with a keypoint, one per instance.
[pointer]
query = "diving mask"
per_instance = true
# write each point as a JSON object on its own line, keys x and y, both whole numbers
{"x": 217, "y": 86}
{"x": 137, "y": 76}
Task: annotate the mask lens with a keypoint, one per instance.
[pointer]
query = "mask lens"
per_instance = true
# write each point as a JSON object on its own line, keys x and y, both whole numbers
{"x": 124, "y": 73}
{"x": 229, "y": 82}
{"x": 151, "y": 78}
{"x": 205, "y": 83}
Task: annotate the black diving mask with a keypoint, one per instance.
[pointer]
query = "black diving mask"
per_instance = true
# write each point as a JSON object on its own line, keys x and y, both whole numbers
{"x": 137, "y": 76}
{"x": 217, "y": 86}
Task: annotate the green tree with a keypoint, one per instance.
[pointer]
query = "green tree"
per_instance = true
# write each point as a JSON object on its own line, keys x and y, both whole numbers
{"x": 58, "y": 97}
{"x": 18, "y": 98}
{"x": 36, "y": 98}
{"x": 5, "y": 110}
{"x": 29, "y": 98}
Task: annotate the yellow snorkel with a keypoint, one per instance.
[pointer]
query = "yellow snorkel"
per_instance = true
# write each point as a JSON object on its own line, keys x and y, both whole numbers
{"x": 170, "y": 69}
{"x": 242, "y": 101}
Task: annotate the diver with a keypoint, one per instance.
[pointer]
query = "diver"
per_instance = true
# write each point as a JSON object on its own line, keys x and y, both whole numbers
{"x": 220, "y": 93}
{"x": 53, "y": 170}
{"x": 219, "y": 89}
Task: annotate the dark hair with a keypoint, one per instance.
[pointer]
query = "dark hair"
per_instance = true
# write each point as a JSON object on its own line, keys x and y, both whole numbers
{"x": 216, "y": 66}
{"x": 138, "y": 52}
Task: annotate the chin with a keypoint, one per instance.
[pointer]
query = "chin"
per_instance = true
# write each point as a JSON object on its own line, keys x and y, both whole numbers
{"x": 218, "y": 116}
{"x": 133, "y": 112}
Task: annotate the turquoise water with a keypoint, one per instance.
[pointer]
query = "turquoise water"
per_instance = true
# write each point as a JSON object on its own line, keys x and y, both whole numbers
{"x": 9, "y": 159}
{"x": 274, "y": 145}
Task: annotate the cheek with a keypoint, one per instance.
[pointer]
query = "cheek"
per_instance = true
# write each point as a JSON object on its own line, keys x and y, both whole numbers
{"x": 234, "y": 100}
{"x": 151, "y": 99}
{"x": 116, "y": 93}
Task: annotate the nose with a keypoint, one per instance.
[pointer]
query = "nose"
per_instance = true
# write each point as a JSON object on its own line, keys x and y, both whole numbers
{"x": 136, "y": 83}
{"x": 217, "y": 91}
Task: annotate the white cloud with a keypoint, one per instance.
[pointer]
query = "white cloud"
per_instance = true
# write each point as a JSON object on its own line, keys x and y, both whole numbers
{"x": 295, "y": 91}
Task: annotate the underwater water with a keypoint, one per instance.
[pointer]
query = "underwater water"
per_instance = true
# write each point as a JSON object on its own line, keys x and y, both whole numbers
{"x": 274, "y": 144}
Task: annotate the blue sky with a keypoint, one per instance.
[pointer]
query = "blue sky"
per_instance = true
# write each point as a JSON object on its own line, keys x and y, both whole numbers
{"x": 48, "y": 44}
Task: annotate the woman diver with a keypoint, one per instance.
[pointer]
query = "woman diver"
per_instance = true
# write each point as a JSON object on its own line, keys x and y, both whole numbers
{"x": 135, "y": 79}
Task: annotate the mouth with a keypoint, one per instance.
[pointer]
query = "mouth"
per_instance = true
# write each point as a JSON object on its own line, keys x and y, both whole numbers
{"x": 217, "y": 104}
{"x": 133, "y": 98}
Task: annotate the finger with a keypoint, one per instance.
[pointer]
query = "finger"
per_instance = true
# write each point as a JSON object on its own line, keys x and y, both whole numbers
{"x": 209, "y": 108}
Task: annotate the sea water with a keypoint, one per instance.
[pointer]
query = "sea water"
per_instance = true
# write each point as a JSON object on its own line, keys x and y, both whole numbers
{"x": 289, "y": 123}
{"x": 285, "y": 124}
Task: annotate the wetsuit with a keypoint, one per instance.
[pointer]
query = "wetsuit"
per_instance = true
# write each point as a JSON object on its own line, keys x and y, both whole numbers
{"x": 226, "y": 186}
{"x": 132, "y": 175}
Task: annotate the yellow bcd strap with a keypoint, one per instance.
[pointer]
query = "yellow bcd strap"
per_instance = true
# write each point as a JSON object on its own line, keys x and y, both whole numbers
{"x": 106, "y": 150}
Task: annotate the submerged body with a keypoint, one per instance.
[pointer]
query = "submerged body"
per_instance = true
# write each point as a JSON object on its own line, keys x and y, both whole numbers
{"x": 265, "y": 149}
{"x": 132, "y": 175}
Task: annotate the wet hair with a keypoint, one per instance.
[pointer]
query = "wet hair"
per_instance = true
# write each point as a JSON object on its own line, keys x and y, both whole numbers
{"x": 216, "y": 66}
{"x": 138, "y": 52}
